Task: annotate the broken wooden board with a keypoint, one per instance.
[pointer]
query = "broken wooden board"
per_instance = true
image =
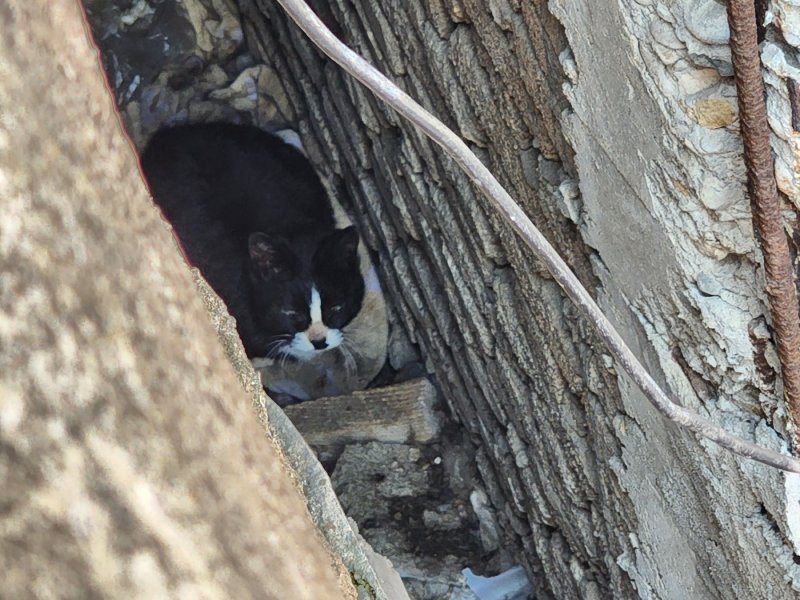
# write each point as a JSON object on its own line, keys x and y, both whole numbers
{"x": 399, "y": 413}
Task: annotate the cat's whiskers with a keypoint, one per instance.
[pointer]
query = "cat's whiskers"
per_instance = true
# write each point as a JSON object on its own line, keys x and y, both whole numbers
{"x": 275, "y": 343}
{"x": 357, "y": 330}
{"x": 352, "y": 346}
{"x": 284, "y": 358}
{"x": 275, "y": 350}
{"x": 347, "y": 359}
{"x": 350, "y": 364}
{"x": 280, "y": 336}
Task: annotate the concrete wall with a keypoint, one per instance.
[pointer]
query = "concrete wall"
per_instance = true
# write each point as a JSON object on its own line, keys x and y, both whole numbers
{"x": 615, "y": 127}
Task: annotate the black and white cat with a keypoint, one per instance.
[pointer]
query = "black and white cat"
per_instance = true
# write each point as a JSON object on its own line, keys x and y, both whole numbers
{"x": 253, "y": 217}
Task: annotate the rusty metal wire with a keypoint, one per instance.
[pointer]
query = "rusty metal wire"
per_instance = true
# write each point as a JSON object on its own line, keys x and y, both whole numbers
{"x": 767, "y": 218}
{"x": 356, "y": 66}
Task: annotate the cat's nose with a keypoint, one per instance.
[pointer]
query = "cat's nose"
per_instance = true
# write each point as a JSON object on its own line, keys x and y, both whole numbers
{"x": 319, "y": 344}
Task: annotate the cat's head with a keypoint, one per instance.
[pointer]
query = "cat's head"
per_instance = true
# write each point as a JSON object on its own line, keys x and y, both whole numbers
{"x": 303, "y": 297}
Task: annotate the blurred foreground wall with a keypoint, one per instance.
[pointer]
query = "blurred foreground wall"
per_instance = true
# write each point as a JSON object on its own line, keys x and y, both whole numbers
{"x": 132, "y": 462}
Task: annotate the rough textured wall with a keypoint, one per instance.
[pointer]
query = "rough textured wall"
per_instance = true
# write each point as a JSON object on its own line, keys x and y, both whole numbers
{"x": 132, "y": 463}
{"x": 615, "y": 127}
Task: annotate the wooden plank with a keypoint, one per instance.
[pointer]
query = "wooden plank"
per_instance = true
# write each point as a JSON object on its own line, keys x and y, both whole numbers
{"x": 398, "y": 414}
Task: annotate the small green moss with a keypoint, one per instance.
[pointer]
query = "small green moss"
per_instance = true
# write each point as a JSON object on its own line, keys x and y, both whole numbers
{"x": 360, "y": 582}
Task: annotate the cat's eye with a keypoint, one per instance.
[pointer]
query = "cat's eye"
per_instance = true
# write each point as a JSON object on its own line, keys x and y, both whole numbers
{"x": 289, "y": 312}
{"x": 337, "y": 308}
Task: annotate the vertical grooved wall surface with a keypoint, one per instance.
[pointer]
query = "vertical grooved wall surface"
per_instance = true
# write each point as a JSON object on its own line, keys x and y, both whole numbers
{"x": 615, "y": 129}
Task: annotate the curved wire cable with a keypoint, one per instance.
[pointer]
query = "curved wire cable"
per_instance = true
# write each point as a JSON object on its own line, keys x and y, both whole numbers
{"x": 437, "y": 131}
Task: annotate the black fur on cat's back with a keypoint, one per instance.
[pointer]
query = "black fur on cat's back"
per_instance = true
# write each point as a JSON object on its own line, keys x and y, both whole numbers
{"x": 252, "y": 215}
{"x": 232, "y": 166}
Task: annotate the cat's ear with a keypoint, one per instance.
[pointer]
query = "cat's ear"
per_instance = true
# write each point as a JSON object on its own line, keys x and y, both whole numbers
{"x": 343, "y": 244}
{"x": 271, "y": 256}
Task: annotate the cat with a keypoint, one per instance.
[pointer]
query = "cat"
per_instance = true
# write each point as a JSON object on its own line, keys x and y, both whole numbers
{"x": 251, "y": 214}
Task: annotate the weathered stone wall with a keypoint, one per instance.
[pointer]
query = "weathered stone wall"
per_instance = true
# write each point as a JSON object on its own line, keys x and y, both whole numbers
{"x": 132, "y": 462}
{"x": 615, "y": 127}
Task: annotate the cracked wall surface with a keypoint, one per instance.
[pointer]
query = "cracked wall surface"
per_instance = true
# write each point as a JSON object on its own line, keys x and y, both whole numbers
{"x": 701, "y": 302}
{"x": 616, "y": 128}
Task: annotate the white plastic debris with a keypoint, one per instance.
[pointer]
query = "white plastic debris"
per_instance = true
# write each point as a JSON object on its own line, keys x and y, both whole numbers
{"x": 509, "y": 585}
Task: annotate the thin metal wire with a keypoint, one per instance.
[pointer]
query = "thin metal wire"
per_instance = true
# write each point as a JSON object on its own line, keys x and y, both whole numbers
{"x": 356, "y": 66}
